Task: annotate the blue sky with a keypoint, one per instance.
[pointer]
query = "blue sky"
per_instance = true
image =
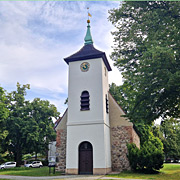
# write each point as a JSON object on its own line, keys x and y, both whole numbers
{"x": 35, "y": 36}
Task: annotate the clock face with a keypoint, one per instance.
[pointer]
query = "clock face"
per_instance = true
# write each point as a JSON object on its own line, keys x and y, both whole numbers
{"x": 85, "y": 66}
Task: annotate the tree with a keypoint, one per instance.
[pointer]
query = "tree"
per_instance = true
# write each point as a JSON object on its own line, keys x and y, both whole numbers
{"x": 17, "y": 121}
{"x": 123, "y": 96}
{"x": 146, "y": 51}
{"x": 42, "y": 113}
{"x": 170, "y": 129}
{"x": 4, "y": 112}
{"x": 28, "y": 123}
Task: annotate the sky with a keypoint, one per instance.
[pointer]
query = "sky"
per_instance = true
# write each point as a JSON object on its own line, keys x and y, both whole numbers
{"x": 36, "y": 36}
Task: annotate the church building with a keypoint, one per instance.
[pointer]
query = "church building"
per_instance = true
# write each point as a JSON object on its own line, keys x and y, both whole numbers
{"x": 92, "y": 134}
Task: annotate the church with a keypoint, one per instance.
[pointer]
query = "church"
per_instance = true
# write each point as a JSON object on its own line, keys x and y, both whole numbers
{"x": 92, "y": 134}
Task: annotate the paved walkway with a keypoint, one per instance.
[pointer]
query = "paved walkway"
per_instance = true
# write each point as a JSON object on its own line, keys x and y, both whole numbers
{"x": 68, "y": 177}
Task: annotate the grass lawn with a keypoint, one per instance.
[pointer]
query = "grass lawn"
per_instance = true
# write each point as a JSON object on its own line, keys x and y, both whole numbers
{"x": 169, "y": 172}
{"x": 23, "y": 171}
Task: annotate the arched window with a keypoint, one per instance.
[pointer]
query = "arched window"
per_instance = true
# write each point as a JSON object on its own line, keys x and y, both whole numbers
{"x": 85, "y": 101}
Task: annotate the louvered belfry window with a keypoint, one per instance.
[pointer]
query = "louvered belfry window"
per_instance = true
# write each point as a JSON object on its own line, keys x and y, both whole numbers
{"x": 85, "y": 101}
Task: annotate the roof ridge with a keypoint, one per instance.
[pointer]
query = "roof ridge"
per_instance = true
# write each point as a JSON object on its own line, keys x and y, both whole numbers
{"x": 59, "y": 120}
{"x": 117, "y": 102}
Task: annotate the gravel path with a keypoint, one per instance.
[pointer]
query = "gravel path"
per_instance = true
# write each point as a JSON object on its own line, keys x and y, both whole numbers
{"x": 49, "y": 177}
{"x": 68, "y": 177}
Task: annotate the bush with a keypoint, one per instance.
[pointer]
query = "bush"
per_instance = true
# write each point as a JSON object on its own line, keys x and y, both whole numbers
{"x": 133, "y": 154}
{"x": 5, "y": 157}
{"x": 26, "y": 157}
{"x": 149, "y": 158}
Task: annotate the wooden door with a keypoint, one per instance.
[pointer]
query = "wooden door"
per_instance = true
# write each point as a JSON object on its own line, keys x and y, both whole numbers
{"x": 85, "y": 158}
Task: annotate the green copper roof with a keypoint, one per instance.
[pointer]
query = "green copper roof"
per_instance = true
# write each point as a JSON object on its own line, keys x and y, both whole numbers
{"x": 88, "y": 37}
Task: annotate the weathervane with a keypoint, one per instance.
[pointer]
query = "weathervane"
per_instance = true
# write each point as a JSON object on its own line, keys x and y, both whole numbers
{"x": 89, "y": 15}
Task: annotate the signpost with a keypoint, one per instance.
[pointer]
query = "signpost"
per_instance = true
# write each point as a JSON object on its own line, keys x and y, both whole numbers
{"x": 52, "y": 164}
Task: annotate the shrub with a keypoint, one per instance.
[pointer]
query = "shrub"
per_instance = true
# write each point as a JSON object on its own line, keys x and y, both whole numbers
{"x": 149, "y": 158}
{"x": 133, "y": 152}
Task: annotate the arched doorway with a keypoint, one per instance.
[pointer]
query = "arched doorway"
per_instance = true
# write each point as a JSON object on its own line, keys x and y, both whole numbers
{"x": 85, "y": 158}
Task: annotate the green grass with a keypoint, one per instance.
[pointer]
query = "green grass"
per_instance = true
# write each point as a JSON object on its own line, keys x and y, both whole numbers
{"x": 168, "y": 172}
{"x": 23, "y": 171}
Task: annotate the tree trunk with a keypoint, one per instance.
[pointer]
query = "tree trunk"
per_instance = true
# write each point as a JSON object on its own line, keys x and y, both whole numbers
{"x": 35, "y": 155}
{"x": 18, "y": 157}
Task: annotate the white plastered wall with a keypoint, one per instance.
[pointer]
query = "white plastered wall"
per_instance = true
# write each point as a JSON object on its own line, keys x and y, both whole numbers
{"x": 80, "y": 81}
{"x": 91, "y": 133}
{"x": 91, "y": 125}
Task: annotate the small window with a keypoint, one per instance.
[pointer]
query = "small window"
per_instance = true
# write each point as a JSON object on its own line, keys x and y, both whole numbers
{"x": 107, "y": 104}
{"x": 105, "y": 71}
{"x": 85, "y": 101}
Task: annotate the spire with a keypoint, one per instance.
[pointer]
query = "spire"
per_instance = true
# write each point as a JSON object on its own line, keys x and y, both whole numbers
{"x": 88, "y": 37}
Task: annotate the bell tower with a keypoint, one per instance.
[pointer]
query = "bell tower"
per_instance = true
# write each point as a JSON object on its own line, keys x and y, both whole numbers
{"x": 88, "y": 129}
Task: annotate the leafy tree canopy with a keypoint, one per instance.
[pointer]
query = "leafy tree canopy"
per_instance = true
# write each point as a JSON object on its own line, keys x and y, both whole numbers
{"x": 29, "y": 124}
{"x": 122, "y": 94}
{"x": 3, "y": 108}
{"x": 170, "y": 129}
{"x": 17, "y": 121}
{"x": 42, "y": 114}
{"x": 4, "y": 112}
{"x": 146, "y": 51}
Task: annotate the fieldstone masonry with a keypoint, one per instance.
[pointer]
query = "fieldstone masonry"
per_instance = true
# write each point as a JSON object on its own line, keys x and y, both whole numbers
{"x": 120, "y": 136}
{"x": 61, "y": 149}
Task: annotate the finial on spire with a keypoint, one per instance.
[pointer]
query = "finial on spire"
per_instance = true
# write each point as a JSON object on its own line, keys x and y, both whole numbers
{"x": 89, "y": 15}
{"x": 88, "y": 37}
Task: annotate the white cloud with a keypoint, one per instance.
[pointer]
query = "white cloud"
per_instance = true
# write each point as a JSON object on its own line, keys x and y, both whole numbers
{"x": 36, "y": 36}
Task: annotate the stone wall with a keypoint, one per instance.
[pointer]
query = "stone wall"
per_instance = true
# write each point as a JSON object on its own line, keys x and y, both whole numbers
{"x": 120, "y": 136}
{"x": 61, "y": 149}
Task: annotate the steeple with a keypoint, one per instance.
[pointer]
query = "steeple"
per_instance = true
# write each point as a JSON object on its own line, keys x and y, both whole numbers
{"x": 88, "y": 51}
{"x": 88, "y": 37}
